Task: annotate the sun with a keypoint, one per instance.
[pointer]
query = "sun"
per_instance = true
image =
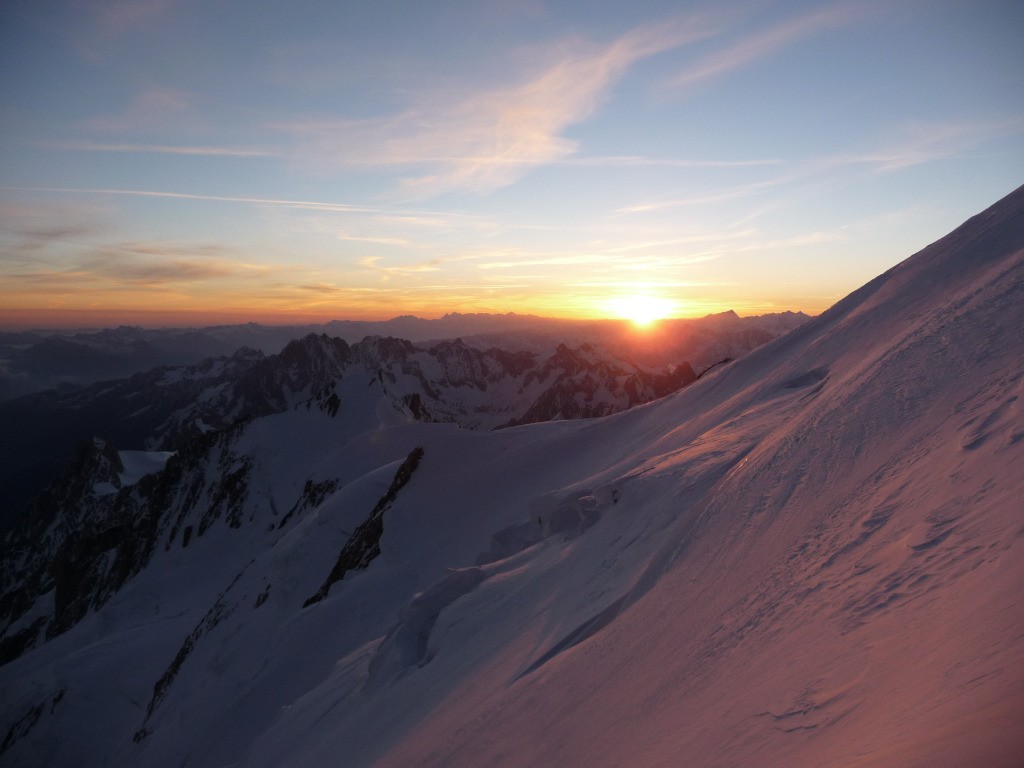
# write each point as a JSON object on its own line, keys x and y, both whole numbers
{"x": 641, "y": 310}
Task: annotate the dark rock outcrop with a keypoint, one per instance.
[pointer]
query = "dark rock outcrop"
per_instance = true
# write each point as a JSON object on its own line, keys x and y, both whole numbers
{"x": 364, "y": 543}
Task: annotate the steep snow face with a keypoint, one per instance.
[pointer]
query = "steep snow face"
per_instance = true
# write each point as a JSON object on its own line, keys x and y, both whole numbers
{"x": 810, "y": 557}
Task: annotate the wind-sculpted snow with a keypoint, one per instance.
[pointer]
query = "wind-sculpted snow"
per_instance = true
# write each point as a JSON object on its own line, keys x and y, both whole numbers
{"x": 406, "y": 645}
{"x": 811, "y": 556}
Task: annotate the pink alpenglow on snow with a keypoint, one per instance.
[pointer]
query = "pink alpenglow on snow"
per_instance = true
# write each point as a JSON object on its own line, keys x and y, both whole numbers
{"x": 813, "y": 555}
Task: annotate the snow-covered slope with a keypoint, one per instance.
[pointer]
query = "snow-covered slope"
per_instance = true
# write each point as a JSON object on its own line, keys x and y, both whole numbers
{"x": 813, "y": 556}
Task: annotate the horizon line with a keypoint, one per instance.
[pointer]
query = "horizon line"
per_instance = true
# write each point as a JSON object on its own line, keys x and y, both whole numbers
{"x": 45, "y": 319}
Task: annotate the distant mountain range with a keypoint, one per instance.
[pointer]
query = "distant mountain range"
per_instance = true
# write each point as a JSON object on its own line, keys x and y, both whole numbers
{"x": 34, "y": 361}
{"x": 523, "y": 376}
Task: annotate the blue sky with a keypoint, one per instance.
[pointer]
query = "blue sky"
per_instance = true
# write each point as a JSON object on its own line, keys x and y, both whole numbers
{"x": 168, "y": 159}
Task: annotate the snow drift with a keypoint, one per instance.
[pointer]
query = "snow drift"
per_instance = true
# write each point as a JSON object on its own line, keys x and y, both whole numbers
{"x": 812, "y": 556}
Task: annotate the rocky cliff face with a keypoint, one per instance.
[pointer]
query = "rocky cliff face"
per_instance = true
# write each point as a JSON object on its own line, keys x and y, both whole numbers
{"x": 90, "y": 532}
{"x": 582, "y": 383}
{"x": 162, "y": 409}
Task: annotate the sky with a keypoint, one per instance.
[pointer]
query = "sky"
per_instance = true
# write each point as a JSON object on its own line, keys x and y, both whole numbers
{"x": 185, "y": 162}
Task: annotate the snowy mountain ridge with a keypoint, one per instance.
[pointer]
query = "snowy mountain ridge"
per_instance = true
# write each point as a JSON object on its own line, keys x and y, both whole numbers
{"x": 809, "y": 556}
{"x": 33, "y": 361}
{"x": 163, "y": 408}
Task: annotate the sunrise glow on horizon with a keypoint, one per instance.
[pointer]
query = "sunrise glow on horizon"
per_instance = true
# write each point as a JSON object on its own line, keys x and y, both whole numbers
{"x": 171, "y": 163}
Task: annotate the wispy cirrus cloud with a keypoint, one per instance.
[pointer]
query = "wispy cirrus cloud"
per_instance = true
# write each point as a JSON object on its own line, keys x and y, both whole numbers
{"x": 321, "y": 289}
{"x": 25, "y": 242}
{"x": 764, "y": 43}
{"x": 99, "y": 25}
{"x": 482, "y": 139}
{"x": 264, "y": 201}
{"x": 136, "y": 264}
{"x": 156, "y": 108}
{"x": 909, "y": 145}
{"x": 711, "y": 197}
{"x": 563, "y": 260}
{"x": 73, "y": 247}
{"x": 159, "y": 149}
{"x": 650, "y": 256}
{"x": 152, "y": 263}
{"x": 32, "y": 233}
{"x": 628, "y": 161}
{"x": 371, "y": 239}
{"x": 646, "y": 245}
{"x": 400, "y": 270}
{"x": 390, "y": 215}
{"x": 915, "y": 143}
{"x": 119, "y": 17}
